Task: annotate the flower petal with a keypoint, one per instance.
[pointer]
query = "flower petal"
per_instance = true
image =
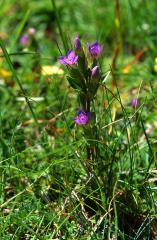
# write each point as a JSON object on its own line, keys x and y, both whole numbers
{"x": 63, "y": 60}
{"x": 71, "y": 54}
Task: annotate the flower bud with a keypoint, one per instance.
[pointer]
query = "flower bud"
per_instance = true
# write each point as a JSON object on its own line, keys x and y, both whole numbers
{"x": 95, "y": 72}
{"x": 24, "y": 40}
{"x": 77, "y": 43}
{"x": 31, "y": 31}
{"x": 94, "y": 83}
{"x": 135, "y": 103}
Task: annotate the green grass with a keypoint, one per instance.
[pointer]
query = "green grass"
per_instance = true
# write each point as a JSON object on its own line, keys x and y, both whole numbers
{"x": 45, "y": 190}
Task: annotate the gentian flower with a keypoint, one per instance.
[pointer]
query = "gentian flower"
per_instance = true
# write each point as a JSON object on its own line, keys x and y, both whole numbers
{"x": 82, "y": 117}
{"x": 77, "y": 43}
{"x": 24, "y": 40}
{"x": 70, "y": 59}
{"x": 135, "y": 103}
{"x": 94, "y": 49}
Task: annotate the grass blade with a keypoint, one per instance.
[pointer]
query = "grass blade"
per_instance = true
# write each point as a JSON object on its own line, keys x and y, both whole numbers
{"x": 16, "y": 78}
{"x": 59, "y": 25}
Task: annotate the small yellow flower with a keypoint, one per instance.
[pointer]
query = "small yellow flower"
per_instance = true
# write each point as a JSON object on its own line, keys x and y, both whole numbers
{"x": 155, "y": 65}
{"x": 48, "y": 70}
{"x": 155, "y": 68}
{"x": 5, "y": 73}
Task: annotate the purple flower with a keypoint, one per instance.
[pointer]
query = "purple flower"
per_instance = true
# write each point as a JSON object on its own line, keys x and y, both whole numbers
{"x": 95, "y": 72}
{"x": 135, "y": 102}
{"x": 70, "y": 59}
{"x": 82, "y": 117}
{"x": 24, "y": 40}
{"x": 77, "y": 43}
{"x": 94, "y": 49}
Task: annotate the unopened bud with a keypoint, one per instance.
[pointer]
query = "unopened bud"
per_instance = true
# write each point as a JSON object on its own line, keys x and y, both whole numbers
{"x": 95, "y": 72}
{"x": 24, "y": 40}
{"x": 31, "y": 31}
{"x": 135, "y": 102}
{"x": 77, "y": 43}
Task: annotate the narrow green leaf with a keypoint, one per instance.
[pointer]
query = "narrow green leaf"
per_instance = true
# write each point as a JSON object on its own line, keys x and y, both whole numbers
{"x": 16, "y": 78}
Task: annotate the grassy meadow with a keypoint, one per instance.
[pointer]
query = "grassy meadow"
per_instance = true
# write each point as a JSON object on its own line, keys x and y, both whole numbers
{"x": 63, "y": 180}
